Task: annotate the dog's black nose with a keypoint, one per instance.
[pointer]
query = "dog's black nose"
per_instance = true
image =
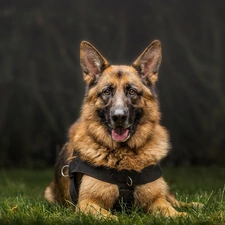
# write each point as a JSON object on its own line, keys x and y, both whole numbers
{"x": 119, "y": 116}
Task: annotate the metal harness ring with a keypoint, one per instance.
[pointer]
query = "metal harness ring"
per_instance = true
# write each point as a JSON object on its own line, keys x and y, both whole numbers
{"x": 62, "y": 171}
{"x": 129, "y": 181}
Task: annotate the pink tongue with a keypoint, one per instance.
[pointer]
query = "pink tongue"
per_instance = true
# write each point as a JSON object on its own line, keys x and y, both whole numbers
{"x": 120, "y": 134}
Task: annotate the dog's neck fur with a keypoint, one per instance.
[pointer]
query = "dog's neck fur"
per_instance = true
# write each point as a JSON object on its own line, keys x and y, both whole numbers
{"x": 118, "y": 156}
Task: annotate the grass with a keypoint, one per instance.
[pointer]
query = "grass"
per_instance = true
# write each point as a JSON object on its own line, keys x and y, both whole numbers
{"x": 22, "y": 202}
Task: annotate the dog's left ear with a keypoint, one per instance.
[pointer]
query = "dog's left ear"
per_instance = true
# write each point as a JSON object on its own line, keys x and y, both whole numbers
{"x": 148, "y": 63}
{"x": 92, "y": 62}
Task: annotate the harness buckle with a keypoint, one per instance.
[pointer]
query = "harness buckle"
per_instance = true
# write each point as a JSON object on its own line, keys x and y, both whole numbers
{"x": 62, "y": 171}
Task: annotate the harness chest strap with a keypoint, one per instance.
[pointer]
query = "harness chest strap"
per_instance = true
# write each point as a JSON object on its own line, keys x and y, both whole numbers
{"x": 126, "y": 180}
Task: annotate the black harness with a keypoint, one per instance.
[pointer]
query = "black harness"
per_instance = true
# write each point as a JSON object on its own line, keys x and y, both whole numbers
{"x": 126, "y": 180}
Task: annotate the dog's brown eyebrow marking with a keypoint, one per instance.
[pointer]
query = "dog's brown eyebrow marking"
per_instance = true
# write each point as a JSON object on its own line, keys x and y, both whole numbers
{"x": 109, "y": 85}
{"x": 130, "y": 85}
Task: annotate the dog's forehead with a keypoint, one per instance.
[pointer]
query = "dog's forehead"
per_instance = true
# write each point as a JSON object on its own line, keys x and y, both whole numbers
{"x": 120, "y": 75}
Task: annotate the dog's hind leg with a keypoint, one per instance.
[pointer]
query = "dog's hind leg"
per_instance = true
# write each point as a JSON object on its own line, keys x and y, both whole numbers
{"x": 162, "y": 206}
{"x": 49, "y": 194}
{"x": 171, "y": 198}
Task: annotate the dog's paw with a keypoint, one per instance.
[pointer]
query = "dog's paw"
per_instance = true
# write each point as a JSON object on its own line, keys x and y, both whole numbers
{"x": 177, "y": 214}
{"x": 196, "y": 205}
{"x": 105, "y": 216}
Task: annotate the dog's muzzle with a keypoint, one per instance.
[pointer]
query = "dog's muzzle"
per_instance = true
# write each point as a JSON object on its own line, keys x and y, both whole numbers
{"x": 119, "y": 124}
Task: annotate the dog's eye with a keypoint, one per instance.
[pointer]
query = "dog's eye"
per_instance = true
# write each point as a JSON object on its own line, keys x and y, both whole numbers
{"x": 132, "y": 91}
{"x": 107, "y": 92}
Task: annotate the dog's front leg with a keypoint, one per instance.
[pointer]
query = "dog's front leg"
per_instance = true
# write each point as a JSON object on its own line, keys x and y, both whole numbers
{"x": 89, "y": 207}
{"x": 96, "y": 196}
{"x": 152, "y": 197}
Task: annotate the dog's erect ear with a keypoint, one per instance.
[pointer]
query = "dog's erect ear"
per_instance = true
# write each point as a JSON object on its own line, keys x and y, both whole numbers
{"x": 92, "y": 62}
{"x": 148, "y": 62}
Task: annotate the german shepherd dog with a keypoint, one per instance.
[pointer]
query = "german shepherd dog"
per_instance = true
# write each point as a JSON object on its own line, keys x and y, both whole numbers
{"x": 119, "y": 128}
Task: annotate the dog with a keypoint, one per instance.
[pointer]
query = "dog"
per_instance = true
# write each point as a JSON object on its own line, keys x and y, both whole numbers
{"x": 118, "y": 129}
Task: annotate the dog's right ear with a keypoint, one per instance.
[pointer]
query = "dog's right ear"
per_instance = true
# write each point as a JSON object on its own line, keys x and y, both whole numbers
{"x": 148, "y": 63}
{"x": 92, "y": 62}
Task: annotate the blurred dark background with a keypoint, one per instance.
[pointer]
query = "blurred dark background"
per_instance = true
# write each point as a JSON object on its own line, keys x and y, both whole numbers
{"x": 41, "y": 84}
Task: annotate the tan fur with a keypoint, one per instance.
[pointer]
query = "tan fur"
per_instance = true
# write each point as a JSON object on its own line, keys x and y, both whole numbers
{"x": 147, "y": 146}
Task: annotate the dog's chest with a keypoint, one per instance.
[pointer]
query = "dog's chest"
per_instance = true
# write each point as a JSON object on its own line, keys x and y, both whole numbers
{"x": 121, "y": 159}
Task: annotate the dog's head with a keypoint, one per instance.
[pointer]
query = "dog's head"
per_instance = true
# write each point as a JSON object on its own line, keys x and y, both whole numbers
{"x": 121, "y": 99}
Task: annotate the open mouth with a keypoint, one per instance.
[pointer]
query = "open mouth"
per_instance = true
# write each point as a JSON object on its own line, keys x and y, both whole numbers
{"x": 120, "y": 134}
